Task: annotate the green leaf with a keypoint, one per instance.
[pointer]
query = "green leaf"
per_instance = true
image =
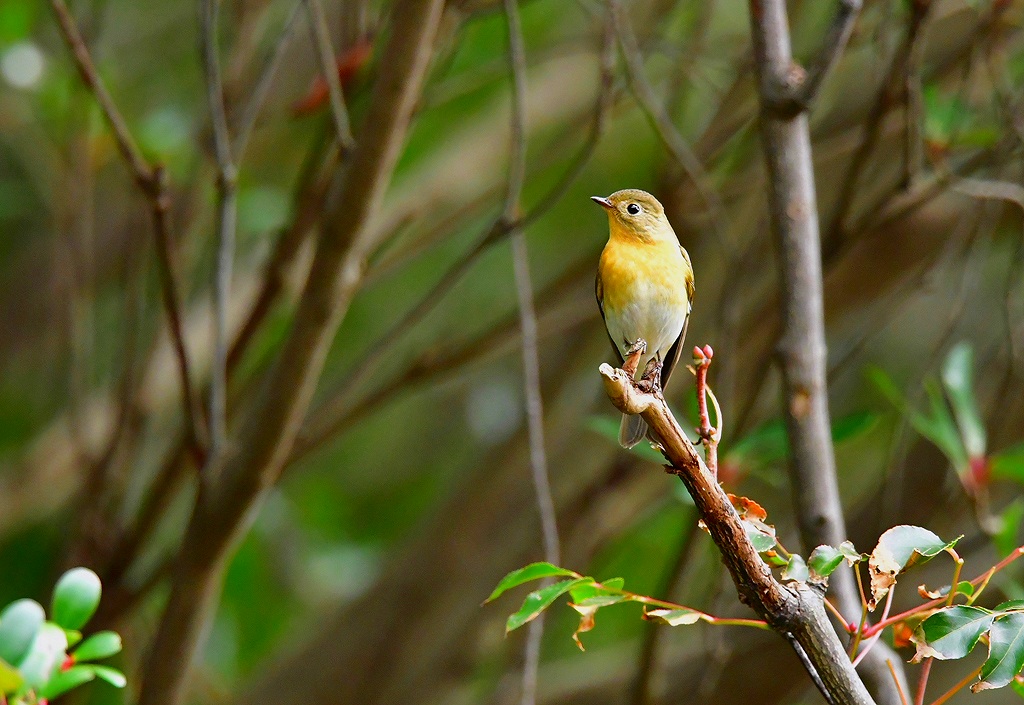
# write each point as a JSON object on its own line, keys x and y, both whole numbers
{"x": 939, "y": 427}
{"x": 539, "y": 600}
{"x": 10, "y": 680}
{"x": 951, "y": 633}
{"x": 964, "y": 587}
{"x": 44, "y": 656}
{"x": 898, "y": 549}
{"x": 1008, "y": 464}
{"x": 1010, "y": 606}
{"x": 796, "y": 569}
{"x": 67, "y": 680}
{"x": 534, "y": 571}
{"x": 957, "y": 372}
{"x": 1005, "y": 539}
{"x": 19, "y": 623}
{"x": 1005, "y": 652}
{"x": 75, "y": 598}
{"x": 673, "y": 618}
{"x": 941, "y": 430}
{"x": 853, "y": 425}
{"x": 851, "y": 554}
{"x": 1018, "y": 687}
{"x": 111, "y": 675}
{"x": 100, "y": 645}
{"x": 824, "y": 560}
{"x": 585, "y": 591}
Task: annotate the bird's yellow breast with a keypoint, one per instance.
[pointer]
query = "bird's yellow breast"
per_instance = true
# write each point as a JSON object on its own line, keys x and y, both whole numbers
{"x": 652, "y": 272}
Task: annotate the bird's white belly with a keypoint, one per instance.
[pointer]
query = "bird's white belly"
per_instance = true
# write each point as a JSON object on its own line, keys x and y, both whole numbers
{"x": 653, "y": 315}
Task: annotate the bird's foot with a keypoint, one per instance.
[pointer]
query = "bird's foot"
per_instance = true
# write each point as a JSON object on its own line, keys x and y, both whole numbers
{"x": 650, "y": 381}
{"x": 633, "y": 353}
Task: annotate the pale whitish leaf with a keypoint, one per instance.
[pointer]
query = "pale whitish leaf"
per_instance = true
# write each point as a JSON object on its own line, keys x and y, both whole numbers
{"x": 539, "y": 600}
{"x": 111, "y": 675}
{"x": 796, "y": 569}
{"x": 20, "y": 621}
{"x": 588, "y": 608}
{"x": 851, "y": 554}
{"x": 1005, "y": 652}
{"x": 898, "y": 549}
{"x": 673, "y": 618}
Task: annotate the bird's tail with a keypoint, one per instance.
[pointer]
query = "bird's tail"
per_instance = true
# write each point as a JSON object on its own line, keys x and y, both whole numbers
{"x": 632, "y": 430}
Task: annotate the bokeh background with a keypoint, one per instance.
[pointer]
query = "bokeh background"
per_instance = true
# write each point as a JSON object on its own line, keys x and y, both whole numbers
{"x": 409, "y": 494}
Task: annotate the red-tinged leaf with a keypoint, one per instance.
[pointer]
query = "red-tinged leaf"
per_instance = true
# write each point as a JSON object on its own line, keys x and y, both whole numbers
{"x": 1005, "y": 652}
{"x": 951, "y": 632}
{"x": 539, "y": 600}
{"x": 349, "y": 64}
{"x": 902, "y": 635}
{"x": 748, "y": 508}
{"x": 673, "y": 618}
{"x": 534, "y": 571}
{"x": 899, "y": 548}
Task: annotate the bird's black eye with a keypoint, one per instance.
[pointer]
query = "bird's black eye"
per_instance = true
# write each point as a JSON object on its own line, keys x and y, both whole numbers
{"x": 632, "y": 209}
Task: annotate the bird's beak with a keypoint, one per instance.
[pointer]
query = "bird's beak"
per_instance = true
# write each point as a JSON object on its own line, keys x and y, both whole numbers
{"x": 602, "y": 201}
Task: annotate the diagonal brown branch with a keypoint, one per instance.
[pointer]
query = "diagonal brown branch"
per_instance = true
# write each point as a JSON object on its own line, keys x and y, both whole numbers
{"x": 238, "y": 483}
{"x": 796, "y": 612}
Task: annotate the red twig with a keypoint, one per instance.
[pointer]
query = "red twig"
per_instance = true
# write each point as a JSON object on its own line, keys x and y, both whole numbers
{"x": 922, "y": 684}
{"x": 983, "y": 578}
{"x": 709, "y": 434}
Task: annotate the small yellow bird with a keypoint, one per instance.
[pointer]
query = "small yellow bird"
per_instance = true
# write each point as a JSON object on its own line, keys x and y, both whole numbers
{"x": 645, "y": 292}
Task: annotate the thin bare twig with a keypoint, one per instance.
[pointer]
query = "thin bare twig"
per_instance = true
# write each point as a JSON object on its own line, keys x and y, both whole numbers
{"x": 258, "y": 93}
{"x": 660, "y": 120}
{"x": 835, "y": 233}
{"x": 227, "y": 214}
{"x": 334, "y": 412}
{"x": 152, "y": 181}
{"x": 265, "y": 438}
{"x": 328, "y": 65}
{"x": 528, "y": 325}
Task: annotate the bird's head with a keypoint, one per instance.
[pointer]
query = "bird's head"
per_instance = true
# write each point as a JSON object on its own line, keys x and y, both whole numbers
{"x": 636, "y": 213}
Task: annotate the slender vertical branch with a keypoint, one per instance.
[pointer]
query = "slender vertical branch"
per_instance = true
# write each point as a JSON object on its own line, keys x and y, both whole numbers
{"x": 152, "y": 182}
{"x": 328, "y": 65}
{"x": 258, "y": 92}
{"x": 227, "y": 213}
{"x": 792, "y": 205}
{"x": 528, "y": 325}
